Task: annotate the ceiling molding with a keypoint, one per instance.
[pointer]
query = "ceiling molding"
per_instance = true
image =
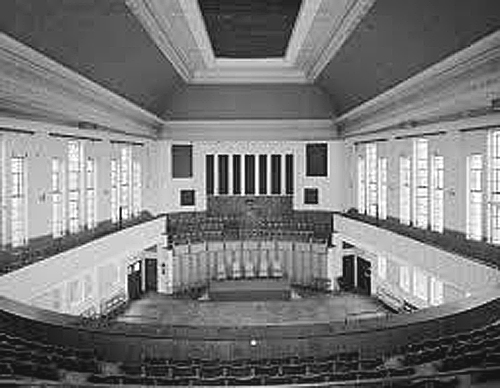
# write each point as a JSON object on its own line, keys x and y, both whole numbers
{"x": 197, "y": 27}
{"x": 286, "y": 130}
{"x": 178, "y": 29}
{"x": 33, "y": 84}
{"x": 466, "y": 80}
{"x": 351, "y": 17}
{"x": 162, "y": 25}
{"x": 235, "y": 71}
{"x": 303, "y": 24}
{"x": 68, "y": 129}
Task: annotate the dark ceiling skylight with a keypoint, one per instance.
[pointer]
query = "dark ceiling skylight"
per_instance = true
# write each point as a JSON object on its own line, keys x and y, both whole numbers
{"x": 249, "y": 28}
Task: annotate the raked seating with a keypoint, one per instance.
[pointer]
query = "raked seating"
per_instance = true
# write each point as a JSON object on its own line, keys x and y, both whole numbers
{"x": 476, "y": 353}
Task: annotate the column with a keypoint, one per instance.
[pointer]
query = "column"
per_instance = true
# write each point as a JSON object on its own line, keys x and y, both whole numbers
{"x": 169, "y": 271}
{"x": 334, "y": 261}
{"x": 243, "y": 174}
{"x": 229, "y": 174}
{"x": 269, "y": 174}
{"x": 355, "y": 270}
{"x": 216, "y": 174}
{"x": 283, "y": 174}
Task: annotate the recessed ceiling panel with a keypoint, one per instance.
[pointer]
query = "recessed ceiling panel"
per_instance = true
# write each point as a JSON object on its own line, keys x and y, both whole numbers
{"x": 249, "y": 28}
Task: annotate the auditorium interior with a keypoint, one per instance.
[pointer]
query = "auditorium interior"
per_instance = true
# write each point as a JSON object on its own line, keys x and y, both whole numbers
{"x": 250, "y": 193}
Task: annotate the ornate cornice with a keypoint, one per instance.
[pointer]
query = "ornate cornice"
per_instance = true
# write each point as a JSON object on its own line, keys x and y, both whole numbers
{"x": 465, "y": 81}
{"x": 178, "y": 29}
{"x": 285, "y": 130}
{"x": 33, "y": 84}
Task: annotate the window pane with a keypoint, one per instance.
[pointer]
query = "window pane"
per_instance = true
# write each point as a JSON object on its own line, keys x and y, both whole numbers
{"x": 474, "y": 197}
{"x": 361, "y": 185}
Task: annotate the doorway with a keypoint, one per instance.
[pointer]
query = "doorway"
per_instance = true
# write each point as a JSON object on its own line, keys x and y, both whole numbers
{"x": 134, "y": 279}
{"x": 348, "y": 280}
{"x": 151, "y": 272}
{"x": 364, "y": 273}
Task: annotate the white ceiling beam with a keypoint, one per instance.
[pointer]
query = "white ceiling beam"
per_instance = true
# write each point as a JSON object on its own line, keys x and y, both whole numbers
{"x": 178, "y": 29}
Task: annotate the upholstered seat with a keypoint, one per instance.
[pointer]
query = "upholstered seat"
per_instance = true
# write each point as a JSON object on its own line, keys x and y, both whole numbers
{"x": 211, "y": 372}
{"x": 240, "y": 371}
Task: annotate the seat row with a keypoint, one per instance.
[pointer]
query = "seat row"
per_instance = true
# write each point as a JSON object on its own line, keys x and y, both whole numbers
{"x": 16, "y": 258}
{"x": 449, "y": 354}
{"x": 251, "y": 380}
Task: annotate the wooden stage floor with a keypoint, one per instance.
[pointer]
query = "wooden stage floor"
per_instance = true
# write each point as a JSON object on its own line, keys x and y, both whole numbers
{"x": 249, "y": 290}
{"x": 164, "y": 310}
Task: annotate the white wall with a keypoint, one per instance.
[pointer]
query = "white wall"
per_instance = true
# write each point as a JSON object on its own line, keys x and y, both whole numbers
{"x": 454, "y": 145}
{"x": 461, "y": 273}
{"x": 222, "y": 102}
{"x": 330, "y": 192}
{"x": 40, "y": 148}
{"x": 102, "y": 263}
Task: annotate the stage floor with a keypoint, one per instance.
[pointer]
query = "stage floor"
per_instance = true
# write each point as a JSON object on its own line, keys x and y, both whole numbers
{"x": 164, "y": 310}
{"x": 249, "y": 290}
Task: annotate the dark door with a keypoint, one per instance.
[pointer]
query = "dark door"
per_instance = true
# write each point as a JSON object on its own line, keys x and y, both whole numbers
{"x": 151, "y": 272}
{"x": 364, "y": 276}
{"x": 135, "y": 280}
{"x": 348, "y": 272}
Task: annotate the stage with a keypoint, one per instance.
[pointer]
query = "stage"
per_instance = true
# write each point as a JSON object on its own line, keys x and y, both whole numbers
{"x": 158, "y": 309}
{"x": 249, "y": 290}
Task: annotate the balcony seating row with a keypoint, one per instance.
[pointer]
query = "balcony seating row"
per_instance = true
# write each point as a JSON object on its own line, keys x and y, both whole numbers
{"x": 16, "y": 258}
{"x": 451, "y": 241}
{"x": 479, "y": 349}
{"x": 21, "y": 358}
{"x": 199, "y": 226}
{"x": 187, "y": 238}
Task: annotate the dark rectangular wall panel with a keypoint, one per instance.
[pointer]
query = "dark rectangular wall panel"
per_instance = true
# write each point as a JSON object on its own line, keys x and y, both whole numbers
{"x": 275, "y": 174}
{"x": 236, "y": 174}
{"x": 209, "y": 174}
{"x": 187, "y": 198}
{"x": 311, "y": 196}
{"x": 263, "y": 174}
{"x": 249, "y": 174}
{"x": 223, "y": 170}
{"x": 182, "y": 161}
{"x": 289, "y": 177}
{"x": 317, "y": 159}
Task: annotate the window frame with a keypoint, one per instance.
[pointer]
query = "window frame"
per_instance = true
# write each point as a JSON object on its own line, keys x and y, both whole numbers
{"x": 437, "y": 193}
{"x": 19, "y": 202}
{"x": 474, "y": 207}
